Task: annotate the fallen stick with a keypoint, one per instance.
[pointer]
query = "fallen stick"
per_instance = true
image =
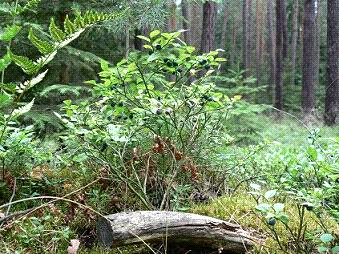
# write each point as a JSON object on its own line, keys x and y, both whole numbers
{"x": 172, "y": 227}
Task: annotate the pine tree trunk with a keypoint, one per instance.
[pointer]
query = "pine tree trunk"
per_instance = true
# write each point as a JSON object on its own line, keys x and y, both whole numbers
{"x": 185, "y": 22}
{"x": 259, "y": 39}
{"x": 172, "y": 19}
{"x": 279, "y": 54}
{"x": 208, "y": 26}
{"x": 224, "y": 25}
{"x": 195, "y": 23}
{"x": 294, "y": 40}
{"x": 247, "y": 40}
{"x": 271, "y": 47}
{"x": 309, "y": 59}
{"x": 332, "y": 86}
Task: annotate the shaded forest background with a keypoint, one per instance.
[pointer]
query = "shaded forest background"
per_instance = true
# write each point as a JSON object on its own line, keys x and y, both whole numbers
{"x": 279, "y": 47}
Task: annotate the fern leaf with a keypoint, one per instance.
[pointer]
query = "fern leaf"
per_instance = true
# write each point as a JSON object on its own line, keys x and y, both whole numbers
{"x": 30, "y": 83}
{"x": 22, "y": 110}
{"x": 31, "y": 4}
{"x": 69, "y": 39}
{"x": 56, "y": 33}
{"x": 26, "y": 64}
{"x": 69, "y": 26}
{"x": 43, "y": 46}
{"x": 45, "y": 59}
{"x": 7, "y": 7}
{"x": 9, "y": 33}
{"x": 5, "y": 61}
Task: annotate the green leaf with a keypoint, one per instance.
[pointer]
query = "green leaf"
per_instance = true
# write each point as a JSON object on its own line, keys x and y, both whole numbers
{"x": 335, "y": 249}
{"x": 30, "y": 83}
{"x": 9, "y": 33}
{"x": 143, "y": 38}
{"x": 326, "y": 238}
{"x": 5, "y": 61}
{"x": 26, "y": 64}
{"x": 69, "y": 26}
{"x": 322, "y": 249}
{"x": 154, "y": 33}
{"x": 255, "y": 186}
{"x": 22, "y": 110}
{"x": 56, "y": 33}
{"x": 263, "y": 207}
{"x": 278, "y": 207}
{"x": 43, "y": 46}
{"x": 270, "y": 194}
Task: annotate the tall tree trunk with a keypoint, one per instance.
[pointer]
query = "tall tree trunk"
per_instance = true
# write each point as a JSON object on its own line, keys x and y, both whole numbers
{"x": 294, "y": 40}
{"x": 278, "y": 102}
{"x": 185, "y": 22}
{"x": 285, "y": 31}
{"x": 224, "y": 25}
{"x": 309, "y": 59}
{"x": 247, "y": 40}
{"x": 271, "y": 46}
{"x": 172, "y": 19}
{"x": 195, "y": 13}
{"x": 332, "y": 83}
{"x": 208, "y": 26}
{"x": 317, "y": 41}
{"x": 259, "y": 39}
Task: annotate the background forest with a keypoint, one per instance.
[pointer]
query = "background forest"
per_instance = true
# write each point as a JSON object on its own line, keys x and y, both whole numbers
{"x": 222, "y": 108}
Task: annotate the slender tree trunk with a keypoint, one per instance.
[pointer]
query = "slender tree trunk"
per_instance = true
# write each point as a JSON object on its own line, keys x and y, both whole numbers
{"x": 185, "y": 22}
{"x": 279, "y": 54}
{"x": 224, "y": 25}
{"x": 195, "y": 23}
{"x": 294, "y": 40}
{"x": 208, "y": 26}
{"x": 317, "y": 41}
{"x": 271, "y": 46}
{"x": 285, "y": 31}
{"x": 332, "y": 83}
{"x": 259, "y": 39}
{"x": 309, "y": 59}
{"x": 172, "y": 19}
{"x": 247, "y": 40}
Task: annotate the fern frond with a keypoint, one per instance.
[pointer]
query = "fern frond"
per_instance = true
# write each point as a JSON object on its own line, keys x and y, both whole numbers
{"x": 22, "y": 110}
{"x": 69, "y": 26}
{"x": 45, "y": 59}
{"x": 7, "y": 7}
{"x": 22, "y": 87}
{"x": 26, "y": 64}
{"x": 9, "y": 33}
{"x": 64, "y": 89}
{"x": 5, "y": 61}
{"x": 43, "y": 46}
{"x": 56, "y": 33}
{"x": 30, "y": 5}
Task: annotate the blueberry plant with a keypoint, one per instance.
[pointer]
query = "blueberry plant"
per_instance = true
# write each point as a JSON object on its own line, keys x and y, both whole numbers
{"x": 151, "y": 117}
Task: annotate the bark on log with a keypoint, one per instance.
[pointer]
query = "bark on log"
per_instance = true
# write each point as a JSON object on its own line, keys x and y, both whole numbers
{"x": 174, "y": 228}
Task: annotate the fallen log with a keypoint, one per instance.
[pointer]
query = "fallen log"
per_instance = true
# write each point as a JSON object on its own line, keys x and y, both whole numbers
{"x": 172, "y": 227}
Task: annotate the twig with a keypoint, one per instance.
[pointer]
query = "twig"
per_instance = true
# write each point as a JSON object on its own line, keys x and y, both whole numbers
{"x": 11, "y": 199}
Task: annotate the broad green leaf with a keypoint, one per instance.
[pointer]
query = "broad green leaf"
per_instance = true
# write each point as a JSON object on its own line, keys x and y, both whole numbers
{"x": 322, "y": 249}
{"x": 326, "y": 238}
{"x": 143, "y": 38}
{"x": 270, "y": 194}
{"x": 263, "y": 207}
{"x": 154, "y": 33}
{"x": 335, "y": 249}
{"x": 255, "y": 186}
{"x": 278, "y": 207}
